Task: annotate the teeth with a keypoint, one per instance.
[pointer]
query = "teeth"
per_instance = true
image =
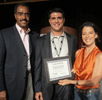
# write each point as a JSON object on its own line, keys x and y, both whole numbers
{"x": 56, "y": 25}
{"x": 87, "y": 40}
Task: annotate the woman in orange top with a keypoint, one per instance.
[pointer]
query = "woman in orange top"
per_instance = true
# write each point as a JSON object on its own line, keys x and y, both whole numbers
{"x": 87, "y": 66}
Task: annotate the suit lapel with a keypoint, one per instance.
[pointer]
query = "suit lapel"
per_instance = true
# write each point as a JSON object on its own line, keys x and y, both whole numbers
{"x": 47, "y": 46}
{"x": 18, "y": 40}
{"x": 69, "y": 44}
{"x": 30, "y": 43}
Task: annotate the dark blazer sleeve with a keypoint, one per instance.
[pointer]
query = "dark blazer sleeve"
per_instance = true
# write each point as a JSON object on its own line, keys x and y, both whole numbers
{"x": 38, "y": 66}
{"x": 75, "y": 48}
{"x": 2, "y": 62}
{"x": 34, "y": 36}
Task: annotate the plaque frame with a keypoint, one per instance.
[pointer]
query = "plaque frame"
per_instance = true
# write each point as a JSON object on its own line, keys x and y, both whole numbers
{"x": 56, "y": 79}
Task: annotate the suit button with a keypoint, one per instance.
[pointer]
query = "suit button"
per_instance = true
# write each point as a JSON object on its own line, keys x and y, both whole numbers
{"x": 23, "y": 55}
{"x": 24, "y": 77}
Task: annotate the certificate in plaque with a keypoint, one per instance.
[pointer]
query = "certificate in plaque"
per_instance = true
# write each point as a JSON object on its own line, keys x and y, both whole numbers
{"x": 57, "y": 69}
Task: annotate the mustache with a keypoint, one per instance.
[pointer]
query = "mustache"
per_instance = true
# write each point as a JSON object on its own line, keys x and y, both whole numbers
{"x": 24, "y": 20}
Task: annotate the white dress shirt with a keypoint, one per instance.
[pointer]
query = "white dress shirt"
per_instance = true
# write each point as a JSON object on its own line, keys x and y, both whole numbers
{"x": 25, "y": 39}
{"x": 57, "y": 41}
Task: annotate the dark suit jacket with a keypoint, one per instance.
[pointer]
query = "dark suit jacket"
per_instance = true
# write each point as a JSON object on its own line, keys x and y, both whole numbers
{"x": 43, "y": 51}
{"x": 13, "y": 61}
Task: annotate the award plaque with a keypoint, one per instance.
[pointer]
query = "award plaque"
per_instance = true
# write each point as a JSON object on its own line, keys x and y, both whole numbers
{"x": 57, "y": 69}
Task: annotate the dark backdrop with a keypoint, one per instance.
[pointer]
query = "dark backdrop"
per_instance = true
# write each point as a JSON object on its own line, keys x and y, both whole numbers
{"x": 75, "y": 14}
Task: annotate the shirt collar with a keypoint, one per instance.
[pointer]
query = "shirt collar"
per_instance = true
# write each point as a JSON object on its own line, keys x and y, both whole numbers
{"x": 52, "y": 36}
{"x": 20, "y": 30}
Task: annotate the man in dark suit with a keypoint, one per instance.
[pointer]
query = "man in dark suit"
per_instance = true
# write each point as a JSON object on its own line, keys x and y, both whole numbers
{"x": 55, "y": 44}
{"x": 17, "y": 55}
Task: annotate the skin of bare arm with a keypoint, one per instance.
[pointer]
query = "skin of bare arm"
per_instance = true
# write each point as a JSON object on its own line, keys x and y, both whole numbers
{"x": 96, "y": 76}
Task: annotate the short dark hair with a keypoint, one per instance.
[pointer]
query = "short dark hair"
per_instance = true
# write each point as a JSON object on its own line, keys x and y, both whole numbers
{"x": 95, "y": 27}
{"x": 20, "y": 4}
{"x": 56, "y": 10}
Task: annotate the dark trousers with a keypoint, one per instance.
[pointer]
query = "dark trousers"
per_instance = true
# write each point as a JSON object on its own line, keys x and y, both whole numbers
{"x": 63, "y": 92}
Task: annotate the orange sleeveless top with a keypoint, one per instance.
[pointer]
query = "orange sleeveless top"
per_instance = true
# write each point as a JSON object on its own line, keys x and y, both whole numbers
{"x": 84, "y": 67}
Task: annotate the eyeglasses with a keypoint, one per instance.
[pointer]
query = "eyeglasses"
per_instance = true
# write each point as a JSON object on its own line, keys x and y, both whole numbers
{"x": 21, "y": 13}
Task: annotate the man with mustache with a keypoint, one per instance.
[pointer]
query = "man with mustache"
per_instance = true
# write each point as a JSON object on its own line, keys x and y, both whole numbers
{"x": 17, "y": 46}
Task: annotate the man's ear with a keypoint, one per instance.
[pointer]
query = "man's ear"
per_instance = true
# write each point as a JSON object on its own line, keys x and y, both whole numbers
{"x": 64, "y": 20}
{"x": 49, "y": 20}
{"x": 15, "y": 16}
